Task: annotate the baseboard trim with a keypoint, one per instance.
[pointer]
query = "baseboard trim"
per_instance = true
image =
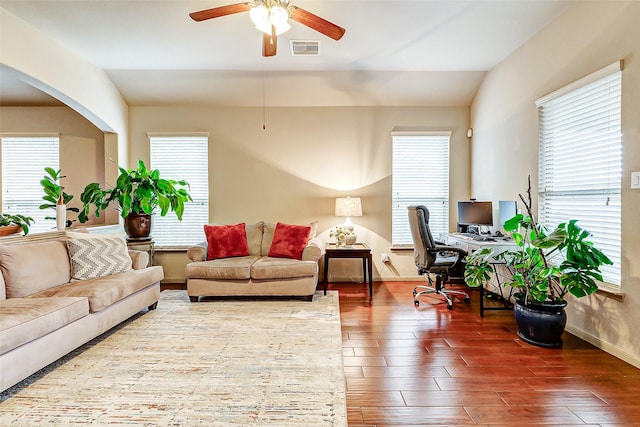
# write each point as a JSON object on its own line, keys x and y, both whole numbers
{"x": 605, "y": 346}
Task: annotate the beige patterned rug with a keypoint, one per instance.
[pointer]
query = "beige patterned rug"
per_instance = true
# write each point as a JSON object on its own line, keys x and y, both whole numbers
{"x": 213, "y": 363}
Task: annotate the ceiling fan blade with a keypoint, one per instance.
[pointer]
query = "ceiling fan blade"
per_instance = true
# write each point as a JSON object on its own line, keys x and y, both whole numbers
{"x": 316, "y": 23}
{"x": 217, "y": 12}
{"x": 269, "y": 43}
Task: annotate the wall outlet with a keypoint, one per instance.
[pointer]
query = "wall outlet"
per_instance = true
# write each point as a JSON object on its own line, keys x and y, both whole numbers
{"x": 385, "y": 258}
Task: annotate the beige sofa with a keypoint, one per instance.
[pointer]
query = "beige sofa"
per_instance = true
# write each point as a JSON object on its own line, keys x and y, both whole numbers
{"x": 256, "y": 274}
{"x": 44, "y": 314}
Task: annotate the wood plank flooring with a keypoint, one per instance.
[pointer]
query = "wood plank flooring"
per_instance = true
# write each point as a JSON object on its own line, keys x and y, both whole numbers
{"x": 423, "y": 366}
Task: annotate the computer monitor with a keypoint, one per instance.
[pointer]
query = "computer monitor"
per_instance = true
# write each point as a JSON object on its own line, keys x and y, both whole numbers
{"x": 507, "y": 210}
{"x": 475, "y": 213}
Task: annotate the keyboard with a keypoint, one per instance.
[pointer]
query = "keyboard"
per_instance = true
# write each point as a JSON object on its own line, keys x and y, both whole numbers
{"x": 479, "y": 237}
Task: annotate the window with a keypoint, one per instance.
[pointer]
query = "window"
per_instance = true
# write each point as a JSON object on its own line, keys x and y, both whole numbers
{"x": 23, "y": 163}
{"x": 420, "y": 177}
{"x": 182, "y": 158}
{"x": 580, "y": 163}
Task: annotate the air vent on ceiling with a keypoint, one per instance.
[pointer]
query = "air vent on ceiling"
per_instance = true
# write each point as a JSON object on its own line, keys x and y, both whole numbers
{"x": 305, "y": 47}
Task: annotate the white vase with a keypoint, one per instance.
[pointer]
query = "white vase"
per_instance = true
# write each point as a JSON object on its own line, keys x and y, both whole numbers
{"x": 61, "y": 217}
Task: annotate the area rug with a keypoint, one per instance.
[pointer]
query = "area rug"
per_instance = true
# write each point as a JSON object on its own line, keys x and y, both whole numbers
{"x": 213, "y": 363}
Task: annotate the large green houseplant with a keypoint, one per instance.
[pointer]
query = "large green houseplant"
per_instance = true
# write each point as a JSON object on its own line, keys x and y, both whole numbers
{"x": 545, "y": 267}
{"x": 137, "y": 194}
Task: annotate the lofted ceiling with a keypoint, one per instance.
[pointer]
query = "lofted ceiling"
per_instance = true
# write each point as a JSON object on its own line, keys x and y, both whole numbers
{"x": 394, "y": 52}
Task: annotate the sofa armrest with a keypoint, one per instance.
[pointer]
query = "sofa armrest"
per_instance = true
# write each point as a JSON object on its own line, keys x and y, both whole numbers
{"x": 139, "y": 259}
{"x": 314, "y": 250}
{"x": 198, "y": 252}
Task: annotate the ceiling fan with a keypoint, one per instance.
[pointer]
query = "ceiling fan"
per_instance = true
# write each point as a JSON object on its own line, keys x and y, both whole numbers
{"x": 271, "y": 17}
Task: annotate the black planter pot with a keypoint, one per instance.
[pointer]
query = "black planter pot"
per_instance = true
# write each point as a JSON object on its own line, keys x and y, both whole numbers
{"x": 541, "y": 324}
{"x": 137, "y": 226}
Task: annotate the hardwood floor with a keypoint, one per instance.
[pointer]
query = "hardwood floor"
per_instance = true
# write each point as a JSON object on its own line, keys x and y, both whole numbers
{"x": 422, "y": 366}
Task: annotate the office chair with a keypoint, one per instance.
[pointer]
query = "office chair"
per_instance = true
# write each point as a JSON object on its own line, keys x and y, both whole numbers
{"x": 434, "y": 258}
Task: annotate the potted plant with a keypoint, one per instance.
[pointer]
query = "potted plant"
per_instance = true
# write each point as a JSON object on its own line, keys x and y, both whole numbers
{"x": 55, "y": 195}
{"x": 11, "y": 224}
{"x": 137, "y": 193}
{"x": 546, "y": 266}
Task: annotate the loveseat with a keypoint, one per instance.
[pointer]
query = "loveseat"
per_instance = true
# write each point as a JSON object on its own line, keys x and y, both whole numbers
{"x": 261, "y": 259}
{"x": 57, "y": 293}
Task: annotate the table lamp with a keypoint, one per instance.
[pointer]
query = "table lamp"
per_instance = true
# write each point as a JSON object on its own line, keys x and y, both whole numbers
{"x": 348, "y": 207}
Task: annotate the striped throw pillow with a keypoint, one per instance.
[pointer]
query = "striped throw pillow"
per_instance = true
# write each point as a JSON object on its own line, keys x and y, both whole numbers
{"x": 97, "y": 257}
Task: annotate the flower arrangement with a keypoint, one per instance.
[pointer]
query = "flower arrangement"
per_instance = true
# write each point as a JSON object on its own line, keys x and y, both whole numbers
{"x": 340, "y": 233}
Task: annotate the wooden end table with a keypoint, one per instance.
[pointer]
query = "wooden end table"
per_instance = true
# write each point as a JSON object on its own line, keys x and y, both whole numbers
{"x": 357, "y": 250}
{"x": 147, "y": 246}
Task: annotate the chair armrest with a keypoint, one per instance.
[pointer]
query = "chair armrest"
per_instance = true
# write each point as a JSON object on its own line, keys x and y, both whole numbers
{"x": 444, "y": 248}
{"x": 198, "y": 252}
{"x": 447, "y": 248}
{"x": 139, "y": 259}
{"x": 314, "y": 250}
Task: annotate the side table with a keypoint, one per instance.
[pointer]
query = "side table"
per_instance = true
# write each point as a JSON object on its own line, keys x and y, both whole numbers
{"x": 357, "y": 250}
{"x": 147, "y": 246}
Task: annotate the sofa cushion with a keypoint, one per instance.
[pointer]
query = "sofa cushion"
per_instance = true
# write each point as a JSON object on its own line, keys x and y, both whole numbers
{"x": 105, "y": 291}
{"x": 289, "y": 241}
{"x": 225, "y": 241}
{"x": 267, "y": 237}
{"x": 238, "y": 268}
{"x": 31, "y": 267}
{"x": 97, "y": 257}
{"x": 282, "y": 268}
{"x": 25, "y": 319}
{"x": 254, "y": 238}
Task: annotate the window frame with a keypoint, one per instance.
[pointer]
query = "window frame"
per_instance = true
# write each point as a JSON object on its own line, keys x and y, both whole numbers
{"x": 409, "y": 171}
{"x": 196, "y": 213}
{"x": 584, "y": 117}
{"x": 26, "y": 175}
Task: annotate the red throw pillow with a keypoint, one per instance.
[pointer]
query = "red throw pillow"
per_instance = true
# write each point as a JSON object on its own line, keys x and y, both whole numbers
{"x": 226, "y": 241}
{"x": 289, "y": 241}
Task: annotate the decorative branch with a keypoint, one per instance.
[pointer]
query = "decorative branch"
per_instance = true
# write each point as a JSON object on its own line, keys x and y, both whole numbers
{"x": 528, "y": 205}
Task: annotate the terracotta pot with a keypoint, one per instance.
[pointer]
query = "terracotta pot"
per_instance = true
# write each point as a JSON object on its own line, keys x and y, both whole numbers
{"x": 7, "y": 230}
{"x": 138, "y": 226}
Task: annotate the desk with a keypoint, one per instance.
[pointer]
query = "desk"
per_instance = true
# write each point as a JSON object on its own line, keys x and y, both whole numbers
{"x": 357, "y": 250}
{"x": 494, "y": 286}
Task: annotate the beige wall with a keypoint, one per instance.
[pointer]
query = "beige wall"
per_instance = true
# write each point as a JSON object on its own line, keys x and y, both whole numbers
{"x": 589, "y": 36}
{"x": 81, "y": 143}
{"x": 293, "y": 170}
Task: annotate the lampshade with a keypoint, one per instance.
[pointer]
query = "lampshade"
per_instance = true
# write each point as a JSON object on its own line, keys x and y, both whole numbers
{"x": 263, "y": 17}
{"x": 348, "y": 206}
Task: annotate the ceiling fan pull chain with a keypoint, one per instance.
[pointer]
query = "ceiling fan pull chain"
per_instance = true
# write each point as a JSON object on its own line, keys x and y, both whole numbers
{"x": 264, "y": 101}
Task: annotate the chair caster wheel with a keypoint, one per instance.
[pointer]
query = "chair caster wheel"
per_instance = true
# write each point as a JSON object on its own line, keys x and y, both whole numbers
{"x": 416, "y": 302}
{"x": 450, "y": 306}
{"x": 467, "y": 300}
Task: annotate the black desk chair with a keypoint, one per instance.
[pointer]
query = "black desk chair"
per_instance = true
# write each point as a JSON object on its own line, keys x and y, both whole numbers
{"x": 433, "y": 258}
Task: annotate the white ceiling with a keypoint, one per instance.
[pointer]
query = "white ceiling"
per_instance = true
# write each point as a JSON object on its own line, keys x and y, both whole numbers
{"x": 394, "y": 52}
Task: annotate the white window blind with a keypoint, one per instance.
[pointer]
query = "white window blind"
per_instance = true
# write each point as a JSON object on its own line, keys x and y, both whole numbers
{"x": 182, "y": 158}
{"x": 580, "y": 161}
{"x": 420, "y": 177}
{"x": 23, "y": 163}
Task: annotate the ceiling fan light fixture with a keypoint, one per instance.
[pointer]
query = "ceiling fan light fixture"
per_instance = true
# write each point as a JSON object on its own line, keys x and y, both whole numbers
{"x": 259, "y": 15}
{"x": 263, "y": 17}
{"x": 282, "y": 28}
{"x": 278, "y": 15}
